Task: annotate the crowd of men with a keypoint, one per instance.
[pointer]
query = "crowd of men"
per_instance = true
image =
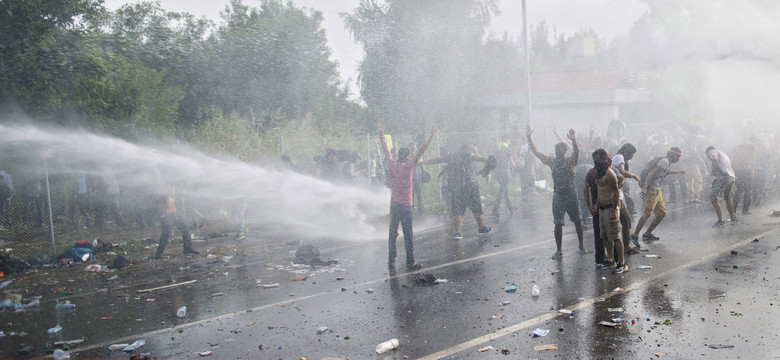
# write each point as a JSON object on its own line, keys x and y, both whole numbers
{"x": 598, "y": 190}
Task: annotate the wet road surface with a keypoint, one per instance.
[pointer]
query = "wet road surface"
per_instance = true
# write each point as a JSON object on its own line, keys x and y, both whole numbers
{"x": 711, "y": 293}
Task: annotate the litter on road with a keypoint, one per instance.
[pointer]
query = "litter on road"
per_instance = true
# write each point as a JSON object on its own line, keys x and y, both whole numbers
{"x": 609, "y": 324}
{"x": 539, "y": 332}
{"x": 166, "y": 286}
{"x": 486, "y": 348}
{"x": 545, "y": 347}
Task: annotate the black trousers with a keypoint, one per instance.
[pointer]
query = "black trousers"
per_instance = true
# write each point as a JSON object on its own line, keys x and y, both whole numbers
{"x": 167, "y": 222}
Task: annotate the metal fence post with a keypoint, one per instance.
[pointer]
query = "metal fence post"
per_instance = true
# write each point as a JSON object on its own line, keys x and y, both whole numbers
{"x": 48, "y": 198}
{"x": 438, "y": 167}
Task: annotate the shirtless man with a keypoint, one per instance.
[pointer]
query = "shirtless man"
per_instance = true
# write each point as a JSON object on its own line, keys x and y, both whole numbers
{"x": 608, "y": 207}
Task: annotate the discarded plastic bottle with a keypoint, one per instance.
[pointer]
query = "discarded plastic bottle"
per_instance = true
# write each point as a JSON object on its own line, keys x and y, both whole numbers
{"x": 113, "y": 347}
{"x": 60, "y": 354}
{"x": 135, "y": 345}
{"x": 535, "y": 290}
{"x": 387, "y": 346}
{"x": 182, "y": 312}
{"x": 33, "y": 303}
{"x": 644, "y": 266}
{"x": 54, "y": 330}
{"x": 65, "y": 306}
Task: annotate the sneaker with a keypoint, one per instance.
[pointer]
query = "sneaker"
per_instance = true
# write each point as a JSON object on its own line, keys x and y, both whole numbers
{"x": 607, "y": 266}
{"x": 485, "y": 229}
{"x": 650, "y": 237}
{"x": 631, "y": 251}
{"x": 620, "y": 269}
{"x": 734, "y": 220}
{"x": 719, "y": 223}
{"x": 191, "y": 251}
{"x": 414, "y": 266}
{"x": 457, "y": 236}
{"x": 635, "y": 241}
{"x": 557, "y": 255}
{"x": 584, "y": 251}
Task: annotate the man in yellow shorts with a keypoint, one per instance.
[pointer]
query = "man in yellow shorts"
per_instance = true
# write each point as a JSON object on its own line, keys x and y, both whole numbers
{"x": 651, "y": 192}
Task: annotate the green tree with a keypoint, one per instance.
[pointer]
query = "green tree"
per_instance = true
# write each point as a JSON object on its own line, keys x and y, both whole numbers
{"x": 419, "y": 57}
{"x": 269, "y": 64}
{"x": 37, "y": 44}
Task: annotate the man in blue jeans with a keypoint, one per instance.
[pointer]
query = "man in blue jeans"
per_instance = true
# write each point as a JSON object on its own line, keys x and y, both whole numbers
{"x": 400, "y": 172}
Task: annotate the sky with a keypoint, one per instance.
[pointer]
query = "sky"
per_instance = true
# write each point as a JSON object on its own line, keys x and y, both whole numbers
{"x": 609, "y": 18}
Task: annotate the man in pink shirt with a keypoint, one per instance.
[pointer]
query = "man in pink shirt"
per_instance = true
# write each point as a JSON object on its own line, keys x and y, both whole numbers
{"x": 400, "y": 172}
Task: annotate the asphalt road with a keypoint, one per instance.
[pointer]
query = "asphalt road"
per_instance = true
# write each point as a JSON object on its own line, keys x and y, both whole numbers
{"x": 712, "y": 293}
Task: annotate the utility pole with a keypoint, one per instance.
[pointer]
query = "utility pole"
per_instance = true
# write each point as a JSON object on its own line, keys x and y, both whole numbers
{"x": 527, "y": 66}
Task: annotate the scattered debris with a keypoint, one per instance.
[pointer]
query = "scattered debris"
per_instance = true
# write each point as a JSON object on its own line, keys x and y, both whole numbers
{"x": 566, "y": 312}
{"x": 620, "y": 309}
{"x": 720, "y": 346}
{"x": 486, "y": 348}
{"x": 322, "y": 329}
{"x": 545, "y": 347}
{"x": 166, "y": 286}
{"x": 539, "y": 332}
{"x": 269, "y": 286}
{"x": 510, "y": 288}
{"x": 609, "y": 324}
{"x": 423, "y": 279}
{"x": 205, "y": 353}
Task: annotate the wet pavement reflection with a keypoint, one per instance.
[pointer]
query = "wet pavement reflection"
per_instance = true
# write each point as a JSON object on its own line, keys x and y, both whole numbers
{"x": 708, "y": 289}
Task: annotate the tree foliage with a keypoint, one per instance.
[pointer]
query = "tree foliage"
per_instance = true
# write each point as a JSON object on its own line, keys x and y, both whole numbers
{"x": 144, "y": 70}
{"x": 418, "y": 57}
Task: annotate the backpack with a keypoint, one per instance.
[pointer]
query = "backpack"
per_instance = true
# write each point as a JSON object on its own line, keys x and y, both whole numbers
{"x": 647, "y": 170}
{"x": 458, "y": 169}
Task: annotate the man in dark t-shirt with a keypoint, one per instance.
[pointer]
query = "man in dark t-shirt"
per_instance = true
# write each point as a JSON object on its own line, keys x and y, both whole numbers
{"x": 564, "y": 194}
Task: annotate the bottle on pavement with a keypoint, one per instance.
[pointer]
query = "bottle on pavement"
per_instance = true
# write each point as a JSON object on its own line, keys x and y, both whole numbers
{"x": 387, "y": 346}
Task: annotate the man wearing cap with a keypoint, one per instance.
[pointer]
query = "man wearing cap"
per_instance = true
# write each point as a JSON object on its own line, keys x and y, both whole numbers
{"x": 651, "y": 193}
{"x": 724, "y": 183}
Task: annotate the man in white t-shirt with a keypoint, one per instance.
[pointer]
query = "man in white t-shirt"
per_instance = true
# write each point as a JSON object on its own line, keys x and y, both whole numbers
{"x": 620, "y": 166}
{"x": 724, "y": 183}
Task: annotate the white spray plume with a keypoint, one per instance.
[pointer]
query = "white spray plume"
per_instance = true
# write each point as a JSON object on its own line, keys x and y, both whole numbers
{"x": 304, "y": 206}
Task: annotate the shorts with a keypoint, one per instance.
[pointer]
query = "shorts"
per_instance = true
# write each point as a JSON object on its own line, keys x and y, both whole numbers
{"x": 609, "y": 229}
{"x": 722, "y": 186}
{"x": 654, "y": 203}
{"x": 565, "y": 203}
{"x": 465, "y": 196}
